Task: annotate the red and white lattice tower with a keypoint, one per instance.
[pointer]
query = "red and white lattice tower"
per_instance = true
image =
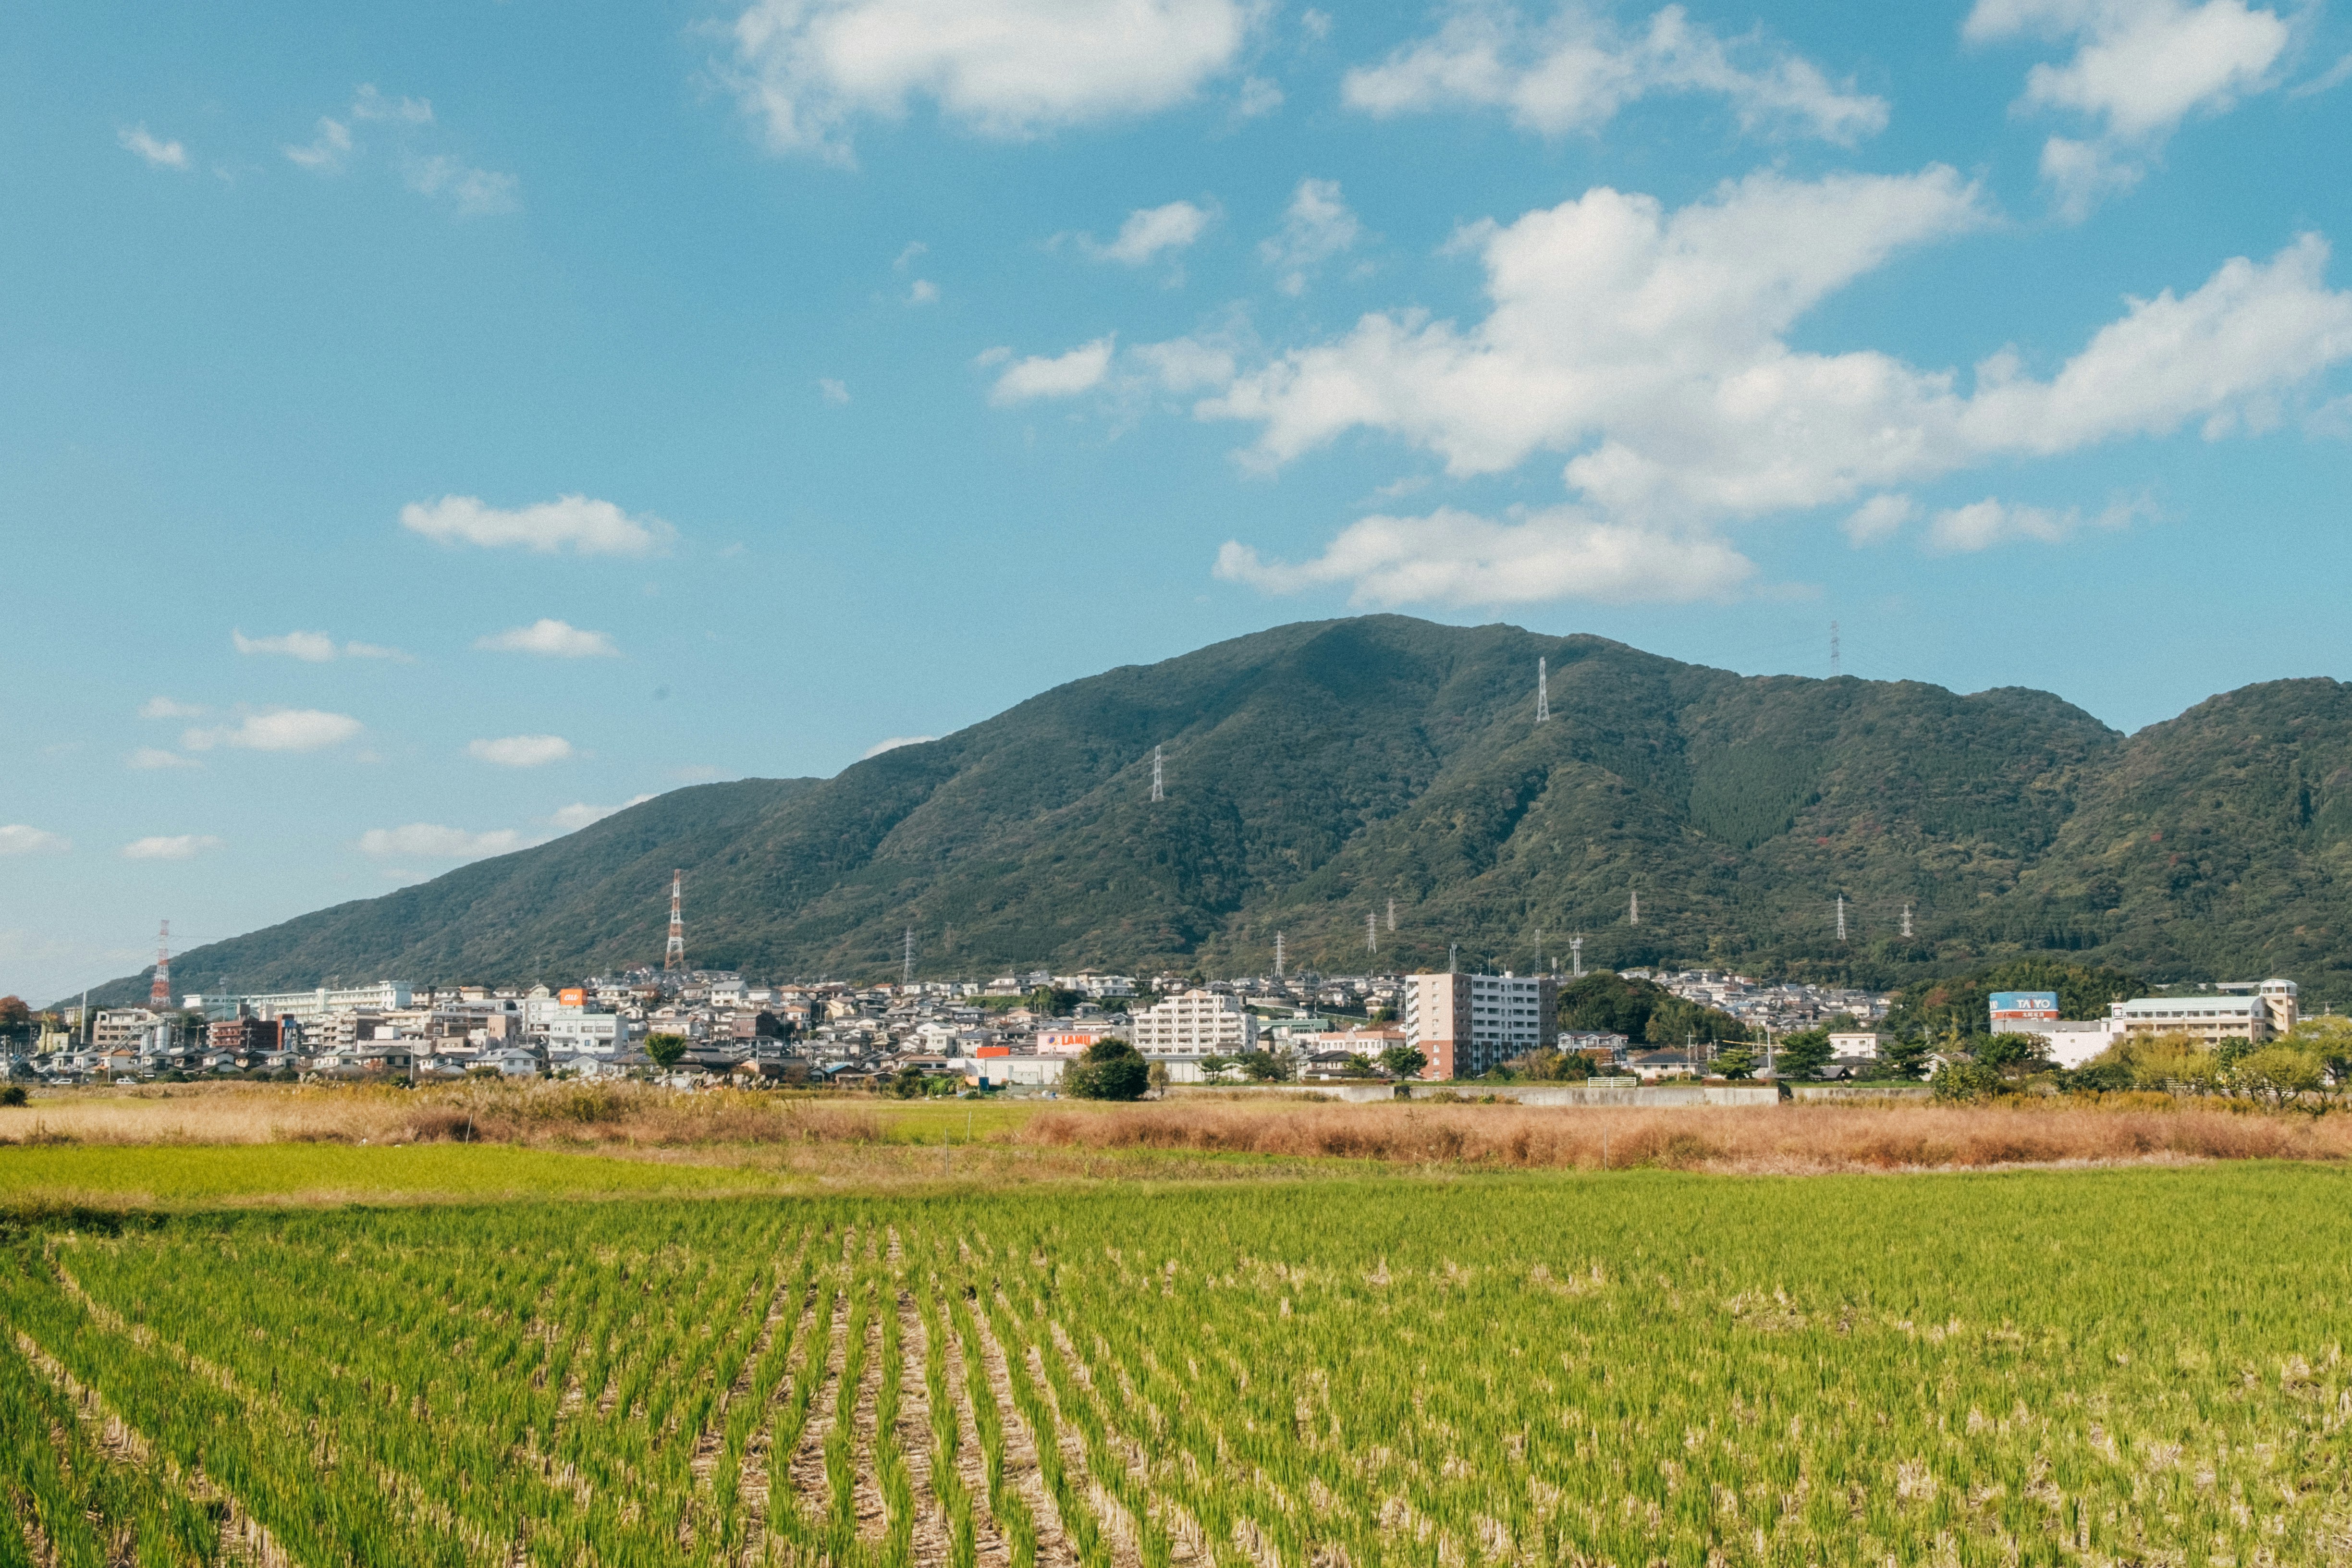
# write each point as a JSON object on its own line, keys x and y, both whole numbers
{"x": 158, "y": 994}
{"x": 674, "y": 955}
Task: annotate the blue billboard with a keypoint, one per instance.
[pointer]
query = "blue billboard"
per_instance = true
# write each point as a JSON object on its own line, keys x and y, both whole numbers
{"x": 2025, "y": 1007}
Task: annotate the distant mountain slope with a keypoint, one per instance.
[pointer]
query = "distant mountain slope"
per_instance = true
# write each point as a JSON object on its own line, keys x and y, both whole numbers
{"x": 1316, "y": 772}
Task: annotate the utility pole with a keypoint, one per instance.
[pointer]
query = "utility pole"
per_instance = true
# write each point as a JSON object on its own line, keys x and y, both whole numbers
{"x": 1158, "y": 793}
{"x": 1543, "y": 693}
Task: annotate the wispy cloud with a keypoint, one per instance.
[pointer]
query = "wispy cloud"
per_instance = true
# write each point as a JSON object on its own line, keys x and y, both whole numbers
{"x": 16, "y": 839}
{"x": 155, "y": 758}
{"x": 520, "y": 751}
{"x": 158, "y": 153}
{"x": 579, "y": 815}
{"x": 431, "y": 841}
{"x": 170, "y": 847}
{"x": 552, "y": 640}
{"x": 577, "y": 524}
{"x": 894, "y": 742}
{"x": 165, "y": 708}
{"x": 278, "y": 730}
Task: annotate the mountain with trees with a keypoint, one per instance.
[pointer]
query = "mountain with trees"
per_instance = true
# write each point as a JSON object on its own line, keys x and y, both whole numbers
{"x": 1320, "y": 773}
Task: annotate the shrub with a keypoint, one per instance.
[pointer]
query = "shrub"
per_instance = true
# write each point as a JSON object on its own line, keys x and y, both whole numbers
{"x": 1110, "y": 1070}
{"x": 14, "y": 1094}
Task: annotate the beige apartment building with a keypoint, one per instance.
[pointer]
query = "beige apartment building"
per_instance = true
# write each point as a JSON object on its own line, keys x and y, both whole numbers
{"x": 1469, "y": 1024}
{"x": 2248, "y": 1010}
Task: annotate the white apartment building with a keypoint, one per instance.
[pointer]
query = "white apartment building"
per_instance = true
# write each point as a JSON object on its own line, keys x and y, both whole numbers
{"x": 1469, "y": 1024}
{"x": 130, "y": 1029}
{"x": 1195, "y": 1024}
{"x": 313, "y": 1006}
{"x": 592, "y": 1034}
{"x": 2240, "y": 1010}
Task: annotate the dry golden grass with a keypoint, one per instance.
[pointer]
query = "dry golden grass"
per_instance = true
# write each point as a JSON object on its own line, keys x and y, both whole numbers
{"x": 1785, "y": 1139}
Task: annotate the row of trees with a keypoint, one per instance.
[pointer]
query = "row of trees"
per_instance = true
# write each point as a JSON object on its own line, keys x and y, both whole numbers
{"x": 2311, "y": 1067}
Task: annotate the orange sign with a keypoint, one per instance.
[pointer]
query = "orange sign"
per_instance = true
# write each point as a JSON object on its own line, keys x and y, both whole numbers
{"x": 577, "y": 996}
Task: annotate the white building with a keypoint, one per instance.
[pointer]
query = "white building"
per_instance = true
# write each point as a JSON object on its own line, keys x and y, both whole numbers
{"x": 1195, "y": 1024}
{"x": 2246, "y": 1010}
{"x": 313, "y": 1006}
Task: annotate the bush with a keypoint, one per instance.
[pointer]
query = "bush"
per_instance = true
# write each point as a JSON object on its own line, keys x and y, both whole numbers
{"x": 1110, "y": 1070}
{"x": 1963, "y": 1082}
{"x": 14, "y": 1094}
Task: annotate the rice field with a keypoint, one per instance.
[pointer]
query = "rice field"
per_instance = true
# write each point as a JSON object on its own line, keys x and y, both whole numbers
{"x": 2141, "y": 1365}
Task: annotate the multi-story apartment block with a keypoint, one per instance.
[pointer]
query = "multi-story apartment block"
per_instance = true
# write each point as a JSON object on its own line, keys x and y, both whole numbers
{"x": 1195, "y": 1024}
{"x": 1470, "y": 1024}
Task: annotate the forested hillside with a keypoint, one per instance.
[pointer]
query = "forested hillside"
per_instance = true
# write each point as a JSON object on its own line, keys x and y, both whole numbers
{"x": 1317, "y": 772}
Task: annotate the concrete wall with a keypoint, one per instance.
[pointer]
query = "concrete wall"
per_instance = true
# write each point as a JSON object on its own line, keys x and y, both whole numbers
{"x": 1548, "y": 1094}
{"x": 1853, "y": 1093}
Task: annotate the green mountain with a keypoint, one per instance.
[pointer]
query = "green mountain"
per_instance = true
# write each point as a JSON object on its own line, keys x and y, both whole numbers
{"x": 1316, "y": 772}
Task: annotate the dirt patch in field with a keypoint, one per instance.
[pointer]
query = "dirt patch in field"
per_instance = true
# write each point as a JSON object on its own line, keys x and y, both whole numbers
{"x": 1768, "y": 1139}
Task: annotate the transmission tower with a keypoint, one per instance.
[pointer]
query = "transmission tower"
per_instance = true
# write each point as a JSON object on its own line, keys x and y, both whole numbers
{"x": 1634, "y": 909}
{"x": 1372, "y": 932}
{"x": 1277, "y": 956}
{"x": 1907, "y": 921}
{"x": 1841, "y": 912}
{"x": 907, "y": 971}
{"x": 1834, "y": 651}
{"x": 1157, "y": 794}
{"x": 1391, "y": 914}
{"x": 1543, "y": 693}
{"x": 674, "y": 954}
{"x": 1576, "y": 957}
{"x": 158, "y": 994}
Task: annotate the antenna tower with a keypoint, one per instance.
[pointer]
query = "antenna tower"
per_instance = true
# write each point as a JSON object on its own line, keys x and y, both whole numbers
{"x": 158, "y": 994}
{"x": 1277, "y": 956}
{"x": 1576, "y": 957}
{"x": 1907, "y": 921}
{"x": 1840, "y": 908}
{"x": 1543, "y": 693}
{"x": 674, "y": 954}
{"x": 1453, "y": 957}
{"x": 907, "y": 973}
{"x": 1834, "y": 651}
{"x": 1158, "y": 794}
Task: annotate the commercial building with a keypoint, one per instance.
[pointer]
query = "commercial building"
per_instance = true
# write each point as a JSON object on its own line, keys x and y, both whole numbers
{"x": 310, "y": 1007}
{"x": 2253, "y": 1011}
{"x": 1195, "y": 1024}
{"x": 1470, "y": 1024}
{"x": 2010, "y": 1009}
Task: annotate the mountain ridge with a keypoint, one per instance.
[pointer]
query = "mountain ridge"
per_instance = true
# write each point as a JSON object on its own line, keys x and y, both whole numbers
{"x": 1317, "y": 770}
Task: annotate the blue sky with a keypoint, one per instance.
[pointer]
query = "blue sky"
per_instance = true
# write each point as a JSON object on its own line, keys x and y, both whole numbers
{"x": 423, "y": 427}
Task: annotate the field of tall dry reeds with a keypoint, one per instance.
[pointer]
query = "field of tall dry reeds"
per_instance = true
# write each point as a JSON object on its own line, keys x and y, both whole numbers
{"x": 1764, "y": 1140}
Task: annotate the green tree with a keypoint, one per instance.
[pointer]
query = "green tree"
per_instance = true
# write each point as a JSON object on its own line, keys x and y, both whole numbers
{"x": 1802, "y": 1055}
{"x": 1739, "y": 1062}
{"x": 1108, "y": 1070}
{"x": 1960, "y": 1081}
{"x": 1052, "y": 1001}
{"x": 2013, "y": 1056}
{"x": 1903, "y": 1057}
{"x": 2279, "y": 1074}
{"x": 665, "y": 1049}
{"x": 909, "y": 1083}
{"x": 1403, "y": 1061}
{"x": 1264, "y": 1066}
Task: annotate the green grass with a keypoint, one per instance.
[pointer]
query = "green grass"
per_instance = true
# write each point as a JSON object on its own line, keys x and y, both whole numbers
{"x": 175, "y": 1176}
{"x": 2141, "y": 1365}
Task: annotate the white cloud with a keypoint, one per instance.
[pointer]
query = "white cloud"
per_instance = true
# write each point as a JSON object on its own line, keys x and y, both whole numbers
{"x": 894, "y": 742}
{"x": 1317, "y": 228}
{"x": 278, "y": 730}
{"x": 312, "y": 648}
{"x": 431, "y": 841}
{"x": 2334, "y": 76}
{"x": 1650, "y": 348}
{"x": 1879, "y": 519}
{"x": 554, "y": 638}
{"x": 1576, "y": 71}
{"x": 377, "y": 650}
{"x": 159, "y": 154}
{"x": 574, "y": 818}
{"x": 520, "y": 751}
{"x": 805, "y": 69}
{"x": 923, "y": 291}
{"x": 1259, "y": 96}
{"x": 832, "y": 390}
{"x": 1064, "y": 375}
{"x": 568, "y": 522}
{"x": 155, "y": 759}
{"x": 1459, "y": 559}
{"x": 327, "y": 152}
{"x": 1149, "y": 231}
{"x": 1988, "y": 523}
{"x": 370, "y": 105}
{"x": 1185, "y": 365}
{"x": 170, "y": 847}
{"x": 2139, "y": 67}
{"x": 475, "y": 193}
{"x": 916, "y": 250}
{"x": 164, "y": 708}
{"x": 16, "y": 839}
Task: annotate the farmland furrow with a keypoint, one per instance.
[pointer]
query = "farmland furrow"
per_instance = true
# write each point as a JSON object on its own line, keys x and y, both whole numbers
{"x": 805, "y": 1469}
{"x": 991, "y": 1549}
{"x": 1021, "y": 1468}
{"x": 241, "y": 1535}
{"x": 867, "y": 1504}
{"x": 757, "y": 1483}
{"x": 930, "y": 1538}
